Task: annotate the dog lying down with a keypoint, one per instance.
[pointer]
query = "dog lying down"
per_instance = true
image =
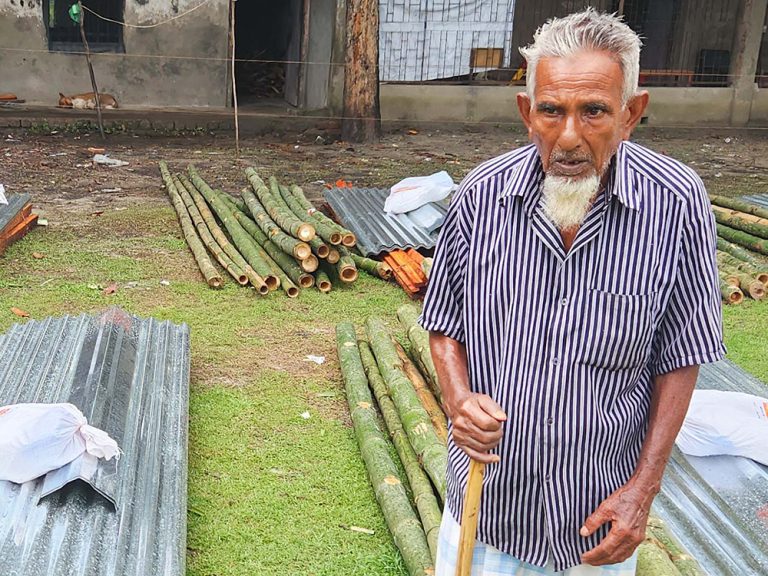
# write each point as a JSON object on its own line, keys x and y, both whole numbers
{"x": 87, "y": 101}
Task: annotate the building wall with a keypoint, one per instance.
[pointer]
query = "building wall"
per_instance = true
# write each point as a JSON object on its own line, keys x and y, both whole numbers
{"x": 37, "y": 75}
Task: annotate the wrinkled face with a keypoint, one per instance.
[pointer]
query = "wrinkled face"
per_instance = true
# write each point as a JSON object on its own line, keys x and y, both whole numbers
{"x": 577, "y": 119}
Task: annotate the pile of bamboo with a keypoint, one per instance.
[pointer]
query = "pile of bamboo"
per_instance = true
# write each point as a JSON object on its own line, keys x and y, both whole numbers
{"x": 384, "y": 384}
{"x": 742, "y": 249}
{"x": 271, "y": 237}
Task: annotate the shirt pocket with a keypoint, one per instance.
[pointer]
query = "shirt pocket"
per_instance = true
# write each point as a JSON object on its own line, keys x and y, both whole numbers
{"x": 617, "y": 331}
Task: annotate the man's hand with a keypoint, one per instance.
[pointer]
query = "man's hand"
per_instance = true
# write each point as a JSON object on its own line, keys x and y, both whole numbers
{"x": 627, "y": 511}
{"x": 477, "y": 421}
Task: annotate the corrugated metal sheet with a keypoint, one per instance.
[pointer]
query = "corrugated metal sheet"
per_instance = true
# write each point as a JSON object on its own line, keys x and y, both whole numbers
{"x": 718, "y": 506}
{"x": 362, "y": 211}
{"x": 130, "y": 377}
{"x": 757, "y": 199}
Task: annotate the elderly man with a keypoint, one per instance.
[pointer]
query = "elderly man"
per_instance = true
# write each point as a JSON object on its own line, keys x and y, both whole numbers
{"x": 574, "y": 295}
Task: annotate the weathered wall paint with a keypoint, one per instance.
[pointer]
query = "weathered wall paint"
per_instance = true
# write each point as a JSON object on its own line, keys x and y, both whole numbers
{"x": 163, "y": 77}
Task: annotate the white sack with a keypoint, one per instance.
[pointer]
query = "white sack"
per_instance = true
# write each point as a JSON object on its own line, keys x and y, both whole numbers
{"x": 730, "y": 423}
{"x": 38, "y": 438}
{"x": 414, "y": 192}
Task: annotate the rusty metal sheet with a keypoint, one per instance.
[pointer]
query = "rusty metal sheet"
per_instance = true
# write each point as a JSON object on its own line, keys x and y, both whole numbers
{"x": 130, "y": 377}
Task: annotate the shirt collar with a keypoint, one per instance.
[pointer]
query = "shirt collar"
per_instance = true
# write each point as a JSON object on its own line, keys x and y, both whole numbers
{"x": 526, "y": 176}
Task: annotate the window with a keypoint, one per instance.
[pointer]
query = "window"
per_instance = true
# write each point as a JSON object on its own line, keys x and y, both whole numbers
{"x": 103, "y": 36}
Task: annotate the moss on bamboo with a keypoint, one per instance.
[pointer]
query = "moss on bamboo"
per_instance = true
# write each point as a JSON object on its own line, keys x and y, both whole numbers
{"x": 432, "y": 452}
{"x": 731, "y": 294}
{"x": 323, "y": 230}
{"x": 346, "y": 266}
{"x": 348, "y": 239}
{"x": 421, "y": 488}
{"x": 404, "y": 525}
{"x": 739, "y": 205}
{"x": 737, "y": 223}
{"x": 277, "y": 210}
{"x": 195, "y": 243}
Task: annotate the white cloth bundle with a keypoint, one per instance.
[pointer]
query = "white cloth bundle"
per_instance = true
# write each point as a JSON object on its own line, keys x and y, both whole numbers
{"x": 38, "y": 438}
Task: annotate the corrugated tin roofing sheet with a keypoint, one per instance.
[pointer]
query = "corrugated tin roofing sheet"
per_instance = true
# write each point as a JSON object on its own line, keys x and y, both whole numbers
{"x": 718, "y": 506}
{"x": 757, "y": 199}
{"x": 15, "y": 203}
{"x": 362, "y": 211}
{"x": 130, "y": 377}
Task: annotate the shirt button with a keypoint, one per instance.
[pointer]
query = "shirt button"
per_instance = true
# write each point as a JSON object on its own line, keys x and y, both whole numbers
{"x": 550, "y": 421}
{"x": 555, "y": 361}
{"x": 564, "y": 301}
{"x": 548, "y": 478}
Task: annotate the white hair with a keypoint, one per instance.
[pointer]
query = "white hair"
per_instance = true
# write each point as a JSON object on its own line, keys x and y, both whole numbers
{"x": 587, "y": 30}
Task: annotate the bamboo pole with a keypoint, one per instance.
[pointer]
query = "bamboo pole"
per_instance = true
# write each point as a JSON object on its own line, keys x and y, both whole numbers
{"x": 738, "y": 205}
{"x": 333, "y": 256}
{"x": 389, "y": 490}
{"x": 319, "y": 248}
{"x": 90, "y": 69}
{"x": 230, "y": 249}
{"x": 245, "y": 244}
{"x": 276, "y": 210}
{"x": 738, "y": 223}
{"x": 743, "y": 215}
{"x": 348, "y": 238}
{"x": 432, "y": 452}
{"x": 310, "y": 263}
{"x": 743, "y": 239}
{"x": 284, "y": 261}
{"x": 208, "y": 270}
{"x": 408, "y": 315}
{"x": 326, "y": 232}
{"x": 346, "y": 266}
{"x": 742, "y": 254}
{"x": 685, "y": 563}
{"x": 726, "y": 259}
{"x": 372, "y": 267}
{"x": 323, "y": 281}
{"x": 423, "y": 495}
{"x": 424, "y": 393}
{"x": 747, "y": 284}
{"x": 288, "y": 244}
{"x": 731, "y": 294}
{"x": 235, "y": 270}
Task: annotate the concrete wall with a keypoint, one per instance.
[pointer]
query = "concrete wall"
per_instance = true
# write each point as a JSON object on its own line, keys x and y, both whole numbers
{"x": 38, "y": 75}
{"x": 668, "y": 106}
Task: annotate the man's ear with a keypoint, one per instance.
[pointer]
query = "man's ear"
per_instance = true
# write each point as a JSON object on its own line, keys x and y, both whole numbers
{"x": 524, "y": 106}
{"x": 636, "y": 107}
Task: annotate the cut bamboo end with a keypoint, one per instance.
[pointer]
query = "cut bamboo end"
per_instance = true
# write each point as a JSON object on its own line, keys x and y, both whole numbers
{"x": 757, "y": 290}
{"x": 292, "y": 292}
{"x": 324, "y": 286}
{"x": 306, "y": 232}
{"x": 306, "y": 280}
{"x": 302, "y": 251}
{"x": 348, "y": 274}
{"x": 385, "y": 271}
{"x": 310, "y": 263}
{"x": 763, "y": 277}
{"x": 216, "y": 282}
{"x": 335, "y": 238}
{"x": 323, "y": 251}
{"x": 349, "y": 240}
{"x": 263, "y": 290}
{"x": 333, "y": 256}
{"x": 272, "y": 282}
{"x": 735, "y": 297}
{"x": 242, "y": 279}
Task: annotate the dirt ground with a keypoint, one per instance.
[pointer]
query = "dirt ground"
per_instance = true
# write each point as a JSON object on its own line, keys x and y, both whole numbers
{"x": 57, "y": 170}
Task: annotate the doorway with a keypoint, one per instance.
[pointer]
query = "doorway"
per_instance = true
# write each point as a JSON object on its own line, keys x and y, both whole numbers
{"x": 268, "y": 37}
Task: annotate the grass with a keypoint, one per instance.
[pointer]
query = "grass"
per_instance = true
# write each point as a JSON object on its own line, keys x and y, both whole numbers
{"x": 270, "y": 492}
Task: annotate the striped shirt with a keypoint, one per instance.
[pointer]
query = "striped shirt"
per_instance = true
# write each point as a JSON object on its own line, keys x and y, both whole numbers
{"x": 569, "y": 343}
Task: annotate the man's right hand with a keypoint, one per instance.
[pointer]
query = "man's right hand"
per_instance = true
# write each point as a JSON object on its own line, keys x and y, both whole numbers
{"x": 477, "y": 425}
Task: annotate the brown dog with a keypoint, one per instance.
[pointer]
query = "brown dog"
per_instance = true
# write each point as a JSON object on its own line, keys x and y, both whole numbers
{"x": 87, "y": 101}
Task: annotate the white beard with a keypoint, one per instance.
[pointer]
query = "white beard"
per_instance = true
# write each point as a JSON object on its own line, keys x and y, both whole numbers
{"x": 567, "y": 200}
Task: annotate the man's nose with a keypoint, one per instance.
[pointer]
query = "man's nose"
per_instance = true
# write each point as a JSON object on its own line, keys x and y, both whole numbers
{"x": 570, "y": 135}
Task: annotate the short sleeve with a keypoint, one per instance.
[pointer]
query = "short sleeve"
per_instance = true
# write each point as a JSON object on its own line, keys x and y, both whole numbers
{"x": 444, "y": 301}
{"x": 690, "y": 332}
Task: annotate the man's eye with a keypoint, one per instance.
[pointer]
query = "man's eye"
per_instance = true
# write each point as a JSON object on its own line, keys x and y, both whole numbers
{"x": 595, "y": 111}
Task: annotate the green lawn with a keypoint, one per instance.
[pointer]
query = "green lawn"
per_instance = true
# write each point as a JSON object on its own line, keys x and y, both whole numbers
{"x": 270, "y": 492}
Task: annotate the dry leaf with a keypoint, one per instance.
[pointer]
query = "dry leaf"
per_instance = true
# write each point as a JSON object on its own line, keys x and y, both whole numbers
{"x": 111, "y": 288}
{"x": 38, "y": 255}
{"x": 19, "y": 312}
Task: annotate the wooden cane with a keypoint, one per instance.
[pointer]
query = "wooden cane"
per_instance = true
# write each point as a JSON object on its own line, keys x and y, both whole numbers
{"x": 469, "y": 518}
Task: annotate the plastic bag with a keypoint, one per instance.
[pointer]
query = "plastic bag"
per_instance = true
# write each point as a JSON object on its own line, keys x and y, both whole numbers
{"x": 417, "y": 191}
{"x": 38, "y": 438}
{"x": 730, "y": 423}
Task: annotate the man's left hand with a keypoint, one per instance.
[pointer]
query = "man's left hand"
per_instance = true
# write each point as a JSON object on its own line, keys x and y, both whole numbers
{"x": 627, "y": 511}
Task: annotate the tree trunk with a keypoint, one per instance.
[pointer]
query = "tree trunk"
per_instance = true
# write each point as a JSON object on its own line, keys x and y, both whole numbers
{"x": 391, "y": 495}
{"x": 421, "y": 487}
{"x": 362, "y": 117}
